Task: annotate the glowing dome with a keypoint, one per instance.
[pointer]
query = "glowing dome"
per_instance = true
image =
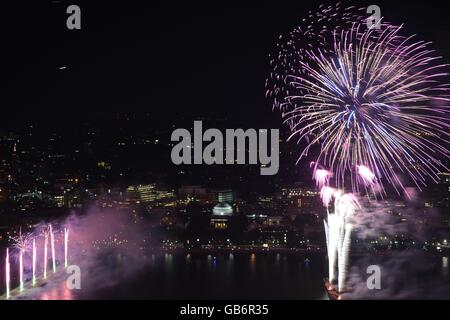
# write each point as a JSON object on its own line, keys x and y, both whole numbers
{"x": 222, "y": 209}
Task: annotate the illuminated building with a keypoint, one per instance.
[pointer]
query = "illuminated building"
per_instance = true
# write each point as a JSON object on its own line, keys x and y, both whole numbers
{"x": 147, "y": 194}
{"x": 444, "y": 177}
{"x": 104, "y": 165}
{"x": 220, "y": 224}
{"x": 225, "y": 196}
{"x": 195, "y": 192}
{"x": 222, "y": 209}
{"x": 221, "y": 212}
{"x": 273, "y": 221}
{"x": 191, "y": 191}
{"x": 59, "y": 201}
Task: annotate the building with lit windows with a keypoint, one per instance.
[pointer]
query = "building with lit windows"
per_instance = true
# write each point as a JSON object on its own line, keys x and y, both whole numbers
{"x": 225, "y": 196}
{"x": 146, "y": 194}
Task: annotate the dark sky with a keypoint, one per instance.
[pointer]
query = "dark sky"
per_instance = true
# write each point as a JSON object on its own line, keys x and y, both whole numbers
{"x": 193, "y": 57}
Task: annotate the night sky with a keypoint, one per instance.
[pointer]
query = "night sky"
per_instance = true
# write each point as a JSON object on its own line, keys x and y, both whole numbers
{"x": 163, "y": 58}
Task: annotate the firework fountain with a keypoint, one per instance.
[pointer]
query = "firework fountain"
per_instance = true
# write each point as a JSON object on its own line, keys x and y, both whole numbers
{"x": 338, "y": 229}
{"x": 22, "y": 244}
{"x": 354, "y": 95}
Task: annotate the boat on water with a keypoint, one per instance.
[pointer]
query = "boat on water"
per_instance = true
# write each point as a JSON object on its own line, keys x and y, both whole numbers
{"x": 332, "y": 290}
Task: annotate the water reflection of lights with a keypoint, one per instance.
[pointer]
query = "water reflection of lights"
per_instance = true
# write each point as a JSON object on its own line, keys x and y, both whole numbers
{"x": 61, "y": 293}
{"x": 168, "y": 257}
{"x": 445, "y": 266}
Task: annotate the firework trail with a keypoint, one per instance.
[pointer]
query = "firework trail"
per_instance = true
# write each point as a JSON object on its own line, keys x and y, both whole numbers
{"x": 52, "y": 244}
{"x": 34, "y": 262}
{"x": 66, "y": 243}
{"x": 362, "y": 100}
{"x": 21, "y": 270}
{"x": 8, "y": 274}
{"x": 45, "y": 253}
